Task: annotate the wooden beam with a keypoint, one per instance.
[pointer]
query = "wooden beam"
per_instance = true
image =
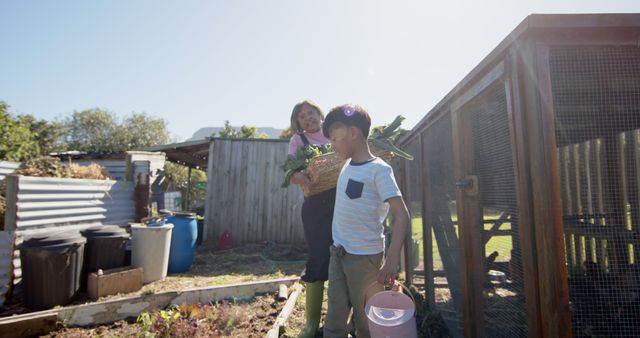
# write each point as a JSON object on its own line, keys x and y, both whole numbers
{"x": 11, "y": 211}
{"x": 615, "y": 204}
{"x": 495, "y": 228}
{"x": 489, "y": 79}
{"x": 110, "y": 311}
{"x": 633, "y": 168}
{"x": 282, "y": 318}
{"x": 29, "y": 325}
{"x": 427, "y": 219}
{"x": 547, "y": 203}
{"x": 470, "y": 218}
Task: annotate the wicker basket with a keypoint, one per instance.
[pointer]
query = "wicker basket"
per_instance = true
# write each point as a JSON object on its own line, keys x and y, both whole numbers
{"x": 325, "y": 169}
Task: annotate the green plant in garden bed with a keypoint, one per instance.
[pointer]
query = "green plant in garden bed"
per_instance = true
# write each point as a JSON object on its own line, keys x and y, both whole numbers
{"x": 186, "y": 319}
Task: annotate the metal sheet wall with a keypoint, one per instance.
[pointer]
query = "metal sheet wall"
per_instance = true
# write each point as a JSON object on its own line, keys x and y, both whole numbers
{"x": 6, "y": 168}
{"x": 35, "y": 204}
{"x": 244, "y": 194}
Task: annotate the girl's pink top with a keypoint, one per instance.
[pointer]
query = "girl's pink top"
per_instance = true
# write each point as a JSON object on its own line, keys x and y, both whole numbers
{"x": 314, "y": 138}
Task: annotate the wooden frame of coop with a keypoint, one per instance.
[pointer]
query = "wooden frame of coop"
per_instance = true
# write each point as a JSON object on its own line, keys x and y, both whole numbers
{"x": 524, "y": 191}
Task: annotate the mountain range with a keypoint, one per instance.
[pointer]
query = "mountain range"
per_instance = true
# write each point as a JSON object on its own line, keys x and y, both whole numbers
{"x": 205, "y": 132}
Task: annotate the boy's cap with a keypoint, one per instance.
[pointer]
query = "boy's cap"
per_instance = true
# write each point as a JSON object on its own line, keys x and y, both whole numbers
{"x": 350, "y": 115}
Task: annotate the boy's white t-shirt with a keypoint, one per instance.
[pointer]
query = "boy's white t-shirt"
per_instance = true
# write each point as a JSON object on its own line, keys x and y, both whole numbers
{"x": 361, "y": 207}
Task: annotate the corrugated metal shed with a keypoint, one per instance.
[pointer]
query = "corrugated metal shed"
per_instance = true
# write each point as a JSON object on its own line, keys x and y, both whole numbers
{"x": 6, "y": 168}
{"x": 37, "y": 203}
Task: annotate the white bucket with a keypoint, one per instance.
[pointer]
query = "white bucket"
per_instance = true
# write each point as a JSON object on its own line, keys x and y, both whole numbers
{"x": 391, "y": 315}
{"x": 150, "y": 247}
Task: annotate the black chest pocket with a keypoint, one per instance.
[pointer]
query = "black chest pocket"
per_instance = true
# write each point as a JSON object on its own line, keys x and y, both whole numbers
{"x": 354, "y": 189}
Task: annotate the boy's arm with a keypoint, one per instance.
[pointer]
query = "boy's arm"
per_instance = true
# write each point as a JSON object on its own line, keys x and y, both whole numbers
{"x": 387, "y": 273}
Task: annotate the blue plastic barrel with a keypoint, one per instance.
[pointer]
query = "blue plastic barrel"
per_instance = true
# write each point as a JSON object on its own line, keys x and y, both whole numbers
{"x": 183, "y": 241}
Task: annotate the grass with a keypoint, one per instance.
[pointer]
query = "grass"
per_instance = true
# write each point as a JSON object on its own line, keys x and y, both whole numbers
{"x": 501, "y": 244}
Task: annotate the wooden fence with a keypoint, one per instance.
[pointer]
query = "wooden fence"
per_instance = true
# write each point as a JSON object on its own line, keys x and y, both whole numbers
{"x": 244, "y": 194}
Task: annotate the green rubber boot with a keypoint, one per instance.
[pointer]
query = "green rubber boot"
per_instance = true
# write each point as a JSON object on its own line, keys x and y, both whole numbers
{"x": 314, "y": 295}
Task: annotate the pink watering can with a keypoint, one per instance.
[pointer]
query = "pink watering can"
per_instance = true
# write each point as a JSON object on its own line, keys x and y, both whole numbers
{"x": 391, "y": 314}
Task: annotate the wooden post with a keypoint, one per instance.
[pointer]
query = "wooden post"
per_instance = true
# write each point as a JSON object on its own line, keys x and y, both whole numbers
{"x": 600, "y": 247}
{"x": 633, "y": 180}
{"x": 614, "y": 201}
{"x": 187, "y": 198}
{"x": 408, "y": 271}
{"x": 540, "y": 207}
{"x": 427, "y": 217}
{"x": 11, "y": 212}
{"x": 470, "y": 230}
{"x": 578, "y": 202}
{"x": 547, "y": 203}
{"x": 586, "y": 151}
{"x": 526, "y": 230}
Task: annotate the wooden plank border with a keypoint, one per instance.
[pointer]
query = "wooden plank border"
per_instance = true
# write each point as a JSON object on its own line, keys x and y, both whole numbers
{"x": 282, "y": 318}
{"x": 118, "y": 309}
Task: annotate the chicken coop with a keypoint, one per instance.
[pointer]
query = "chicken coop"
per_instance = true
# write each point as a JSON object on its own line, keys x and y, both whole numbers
{"x": 524, "y": 190}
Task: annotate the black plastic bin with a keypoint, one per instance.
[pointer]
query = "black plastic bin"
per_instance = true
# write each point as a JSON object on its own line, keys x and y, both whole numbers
{"x": 106, "y": 246}
{"x": 51, "y": 269}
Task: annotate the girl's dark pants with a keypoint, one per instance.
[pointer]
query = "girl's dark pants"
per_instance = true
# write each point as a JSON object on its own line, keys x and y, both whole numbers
{"x": 317, "y": 217}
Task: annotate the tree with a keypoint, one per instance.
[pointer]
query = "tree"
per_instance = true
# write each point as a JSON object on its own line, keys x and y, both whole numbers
{"x": 100, "y": 131}
{"x": 17, "y": 142}
{"x": 177, "y": 176}
{"x": 228, "y": 131}
{"x": 245, "y": 132}
{"x": 92, "y": 130}
{"x": 286, "y": 133}
{"x": 50, "y": 136}
{"x": 141, "y": 130}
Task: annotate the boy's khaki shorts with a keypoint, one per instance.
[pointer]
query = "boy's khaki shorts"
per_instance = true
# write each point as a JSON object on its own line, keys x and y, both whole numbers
{"x": 352, "y": 280}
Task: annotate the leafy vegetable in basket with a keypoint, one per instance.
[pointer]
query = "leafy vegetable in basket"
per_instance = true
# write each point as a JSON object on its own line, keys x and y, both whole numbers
{"x": 383, "y": 137}
{"x": 301, "y": 160}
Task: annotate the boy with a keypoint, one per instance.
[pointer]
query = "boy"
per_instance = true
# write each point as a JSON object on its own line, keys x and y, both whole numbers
{"x": 365, "y": 192}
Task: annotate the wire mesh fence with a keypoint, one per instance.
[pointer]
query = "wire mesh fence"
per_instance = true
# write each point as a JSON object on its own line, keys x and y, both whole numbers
{"x": 504, "y": 302}
{"x": 596, "y": 93}
{"x": 443, "y": 223}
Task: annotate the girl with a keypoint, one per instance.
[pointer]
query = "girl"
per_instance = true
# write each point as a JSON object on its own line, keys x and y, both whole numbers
{"x": 317, "y": 213}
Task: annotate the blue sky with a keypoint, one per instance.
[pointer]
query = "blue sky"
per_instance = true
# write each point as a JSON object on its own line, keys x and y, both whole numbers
{"x": 199, "y": 63}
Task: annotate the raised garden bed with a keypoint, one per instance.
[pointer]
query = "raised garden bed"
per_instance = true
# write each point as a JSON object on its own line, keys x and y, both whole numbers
{"x": 249, "y": 263}
{"x": 253, "y": 318}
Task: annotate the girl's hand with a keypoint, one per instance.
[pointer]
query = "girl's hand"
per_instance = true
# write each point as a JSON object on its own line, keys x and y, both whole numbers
{"x": 301, "y": 178}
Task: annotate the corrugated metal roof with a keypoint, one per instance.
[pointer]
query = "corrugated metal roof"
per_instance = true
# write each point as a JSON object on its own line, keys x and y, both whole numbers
{"x": 7, "y": 168}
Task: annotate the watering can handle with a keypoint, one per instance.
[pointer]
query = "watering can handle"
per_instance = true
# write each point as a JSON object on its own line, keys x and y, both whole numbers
{"x": 406, "y": 289}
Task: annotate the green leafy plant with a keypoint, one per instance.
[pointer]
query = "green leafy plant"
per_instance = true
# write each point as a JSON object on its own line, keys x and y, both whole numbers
{"x": 383, "y": 137}
{"x": 145, "y": 320}
{"x": 301, "y": 160}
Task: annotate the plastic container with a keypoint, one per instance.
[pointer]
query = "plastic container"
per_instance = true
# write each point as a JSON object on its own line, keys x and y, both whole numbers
{"x": 51, "y": 269}
{"x": 183, "y": 241}
{"x": 150, "y": 247}
{"x": 105, "y": 248}
{"x": 391, "y": 315}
